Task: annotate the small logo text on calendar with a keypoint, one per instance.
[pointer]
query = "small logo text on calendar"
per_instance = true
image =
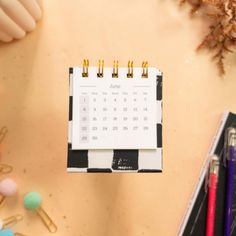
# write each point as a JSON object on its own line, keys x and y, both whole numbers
{"x": 115, "y": 86}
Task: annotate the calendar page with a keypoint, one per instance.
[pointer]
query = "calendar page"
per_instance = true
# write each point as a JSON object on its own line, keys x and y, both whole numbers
{"x": 114, "y": 113}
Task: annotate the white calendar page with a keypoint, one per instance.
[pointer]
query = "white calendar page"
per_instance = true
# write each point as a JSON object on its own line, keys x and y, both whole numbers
{"x": 114, "y": 113}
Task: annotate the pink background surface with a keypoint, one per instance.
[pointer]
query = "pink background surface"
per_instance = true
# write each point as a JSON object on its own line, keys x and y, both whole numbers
{"x": 34, "y": 107}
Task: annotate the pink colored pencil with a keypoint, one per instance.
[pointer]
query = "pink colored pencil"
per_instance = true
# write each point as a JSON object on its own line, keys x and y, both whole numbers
{"x": 213, "y": 180}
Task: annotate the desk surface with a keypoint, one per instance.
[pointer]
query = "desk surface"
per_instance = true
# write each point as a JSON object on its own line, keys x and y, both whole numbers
{"x": 34, "y": 107}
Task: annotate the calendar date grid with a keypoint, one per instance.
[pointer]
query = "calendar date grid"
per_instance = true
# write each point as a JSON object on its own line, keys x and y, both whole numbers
{"x": 114, "y": 114}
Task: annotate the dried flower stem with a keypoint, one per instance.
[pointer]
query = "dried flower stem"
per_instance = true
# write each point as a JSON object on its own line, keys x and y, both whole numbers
{"x": 221, "y": 38}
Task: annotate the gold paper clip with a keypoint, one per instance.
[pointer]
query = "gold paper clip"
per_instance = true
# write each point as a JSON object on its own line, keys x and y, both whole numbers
{"x": 85, "y": 68}
{"x": 115, "y": 69}
{"x": 18, "y": 234}
{"x": 5, "y": 169}
{"x": 46, "y": 220}
{"x": 145, "y": 69}
{"x": 130, "y": 73}
{"x": 3, "y": 133}
{"x": 32, "y": 201}
{"x": 10, "y": 221}
{"x": 100, "y": 68}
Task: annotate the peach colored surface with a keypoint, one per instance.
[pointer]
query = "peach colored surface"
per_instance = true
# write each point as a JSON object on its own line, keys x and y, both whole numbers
{"x": 34, "y": 107}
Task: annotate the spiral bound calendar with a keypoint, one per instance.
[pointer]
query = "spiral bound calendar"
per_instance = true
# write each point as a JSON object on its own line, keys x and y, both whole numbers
{"x": 115, "y": 120}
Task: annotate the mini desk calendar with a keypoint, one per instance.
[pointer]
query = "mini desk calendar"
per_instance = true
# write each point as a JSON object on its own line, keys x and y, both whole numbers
{"x": 115, "y": 120}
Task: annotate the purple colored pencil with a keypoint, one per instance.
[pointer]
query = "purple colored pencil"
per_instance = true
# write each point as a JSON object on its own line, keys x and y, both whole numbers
{"x": 230, "y": 158}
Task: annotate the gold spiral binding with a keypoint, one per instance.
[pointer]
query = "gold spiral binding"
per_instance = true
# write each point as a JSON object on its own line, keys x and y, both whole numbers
{"x": 85, "y": 68}
{"x": 130, "y": 73}
{"x": 100, "y": 68}
{"x": 145, "y": 69}
{"x": 115, "y": 69}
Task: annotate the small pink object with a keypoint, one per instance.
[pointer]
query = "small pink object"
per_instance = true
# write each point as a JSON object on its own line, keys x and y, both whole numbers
{"x": 8, "y": 187}
{"x": 213, "y": 181}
